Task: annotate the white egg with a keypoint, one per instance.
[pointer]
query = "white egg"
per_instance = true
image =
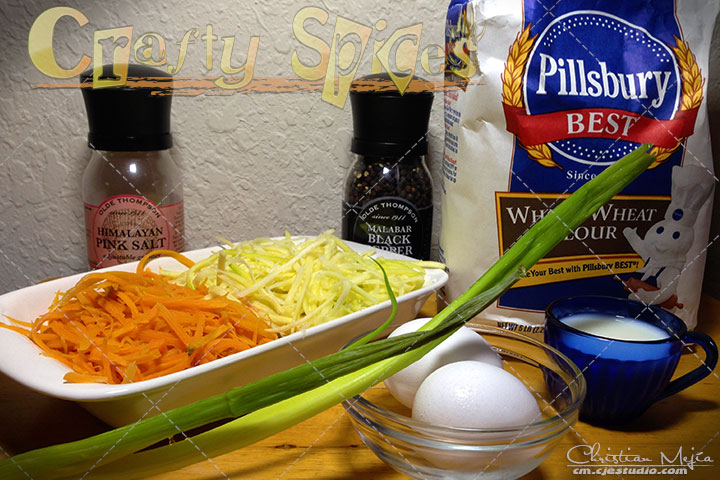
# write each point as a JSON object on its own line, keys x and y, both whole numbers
{"x": 464, "y": 344}
{"x": 474, "y": 395}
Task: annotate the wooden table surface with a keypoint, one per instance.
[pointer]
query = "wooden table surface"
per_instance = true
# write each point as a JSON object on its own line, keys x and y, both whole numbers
{"x": 327, "y": 447}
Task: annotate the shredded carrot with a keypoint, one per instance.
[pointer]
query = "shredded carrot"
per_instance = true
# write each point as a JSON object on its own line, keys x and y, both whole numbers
{"x": 121, "y": 327}
{"x": 163, "y": 253}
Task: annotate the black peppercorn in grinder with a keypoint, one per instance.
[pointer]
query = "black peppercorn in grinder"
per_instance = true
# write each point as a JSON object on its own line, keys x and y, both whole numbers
{"x": 388, "y": 198}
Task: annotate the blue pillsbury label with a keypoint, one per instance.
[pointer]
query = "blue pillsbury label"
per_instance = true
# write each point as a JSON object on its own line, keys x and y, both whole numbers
{"x": 604, "y": 96}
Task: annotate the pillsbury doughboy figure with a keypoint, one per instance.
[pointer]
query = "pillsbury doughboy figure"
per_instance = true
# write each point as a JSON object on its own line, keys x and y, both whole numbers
{"x": 667, "y": 243}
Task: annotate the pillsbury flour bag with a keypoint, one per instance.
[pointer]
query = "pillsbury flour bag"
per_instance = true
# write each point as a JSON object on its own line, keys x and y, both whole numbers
{"x": 540, "y": 97}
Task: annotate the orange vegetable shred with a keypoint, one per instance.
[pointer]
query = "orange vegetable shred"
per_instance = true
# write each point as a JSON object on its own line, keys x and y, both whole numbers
{"x": 120, "y": 327}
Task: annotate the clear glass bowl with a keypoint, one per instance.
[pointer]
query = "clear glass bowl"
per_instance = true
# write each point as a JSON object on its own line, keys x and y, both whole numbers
{"x": 424, "y": 451}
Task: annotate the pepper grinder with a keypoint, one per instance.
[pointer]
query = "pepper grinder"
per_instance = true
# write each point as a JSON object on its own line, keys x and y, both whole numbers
{"x": 388, "y": 194}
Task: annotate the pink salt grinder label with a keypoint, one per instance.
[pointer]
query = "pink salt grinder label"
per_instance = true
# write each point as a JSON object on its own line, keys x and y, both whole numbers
{"x": 124, "y": 228}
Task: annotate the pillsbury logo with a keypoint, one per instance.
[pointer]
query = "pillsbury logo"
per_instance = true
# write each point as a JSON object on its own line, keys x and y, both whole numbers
{"x": 592, "y": 86}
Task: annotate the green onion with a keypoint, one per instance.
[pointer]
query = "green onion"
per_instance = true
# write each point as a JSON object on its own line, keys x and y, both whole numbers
{"x": 77, "y": 457}
{"x": 374, "y": 334}
{"x": 270, "y": 420}
{"x": 277, "y": 402}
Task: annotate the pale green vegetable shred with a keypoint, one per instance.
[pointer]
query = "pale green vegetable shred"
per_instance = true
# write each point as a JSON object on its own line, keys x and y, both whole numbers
{"x": 302, "y": 282}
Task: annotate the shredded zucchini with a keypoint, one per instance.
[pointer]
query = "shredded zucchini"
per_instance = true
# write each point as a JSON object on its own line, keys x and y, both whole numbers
{"x": 299, "y": 283}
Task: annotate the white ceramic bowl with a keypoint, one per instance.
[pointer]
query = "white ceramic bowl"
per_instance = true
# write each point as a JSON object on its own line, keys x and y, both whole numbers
{"x": 118, "y": 405}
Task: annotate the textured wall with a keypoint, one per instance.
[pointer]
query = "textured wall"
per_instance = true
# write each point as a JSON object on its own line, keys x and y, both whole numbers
{"x": 253, "y": 164}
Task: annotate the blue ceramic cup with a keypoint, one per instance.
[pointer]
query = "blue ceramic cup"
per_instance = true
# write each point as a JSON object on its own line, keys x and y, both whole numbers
{"x": 625, "y": 377}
